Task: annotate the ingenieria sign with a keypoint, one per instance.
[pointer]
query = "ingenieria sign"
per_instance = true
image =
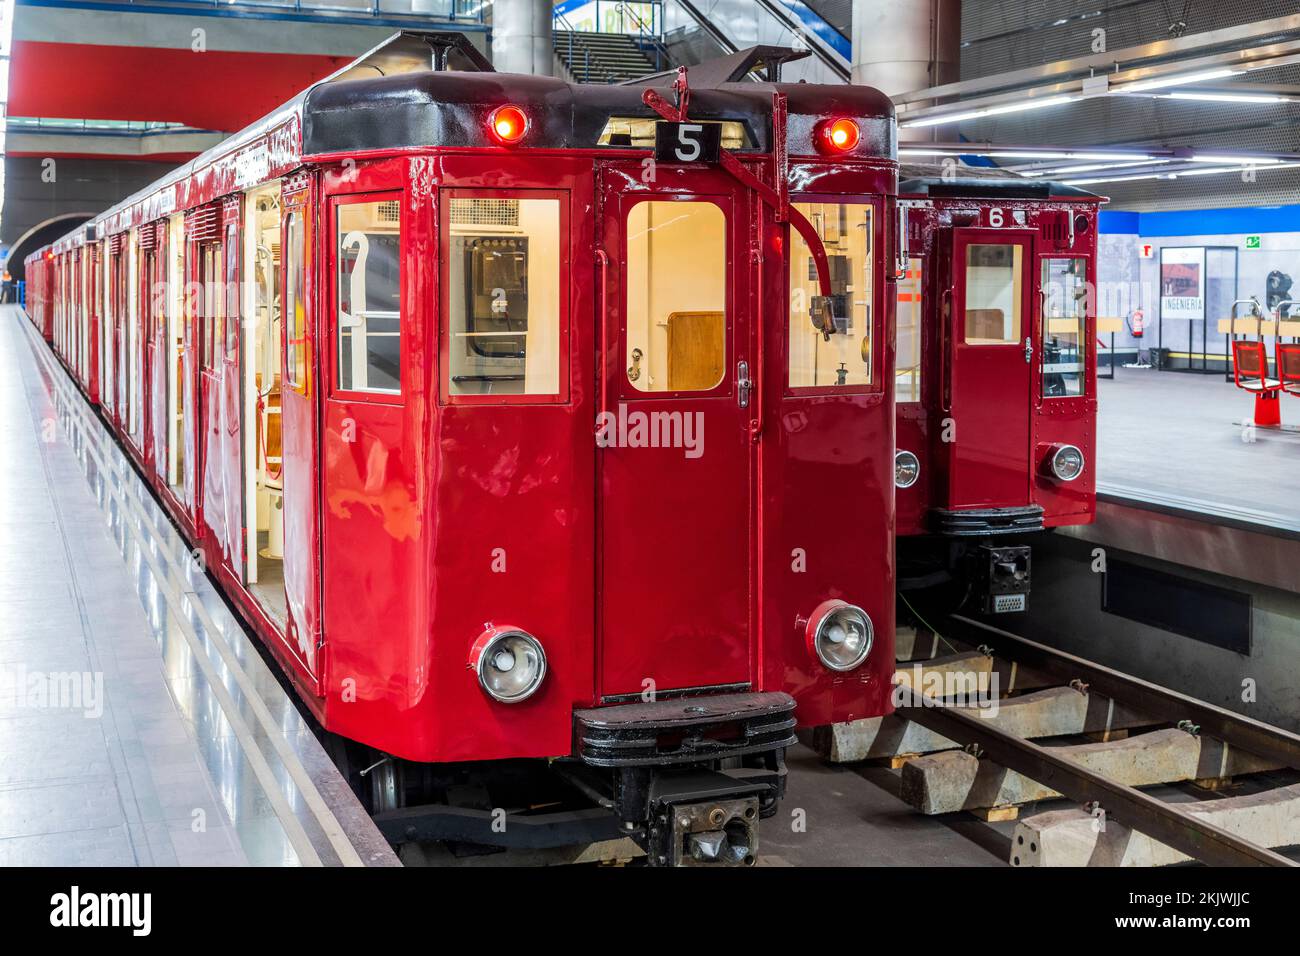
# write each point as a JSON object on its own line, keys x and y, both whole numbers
{"x": 1182, "y": 283}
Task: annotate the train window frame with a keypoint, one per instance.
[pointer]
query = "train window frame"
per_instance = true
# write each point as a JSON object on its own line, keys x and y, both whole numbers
{"x": 230, "y": 292}
{"x": 876, "y": 385}
{"x": 911, "y": 282}
{"x": 1044, "y": 298}
{"x": 564, "y": 302}
{"x": 371, "y": 395}
{"x": 1022, "y": 279}
{"x": 296, "y": 345}
{"x": 627, "y": 389}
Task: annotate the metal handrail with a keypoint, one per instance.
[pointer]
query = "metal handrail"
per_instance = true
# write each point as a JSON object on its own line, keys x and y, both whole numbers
{"x": 645, "y": 33}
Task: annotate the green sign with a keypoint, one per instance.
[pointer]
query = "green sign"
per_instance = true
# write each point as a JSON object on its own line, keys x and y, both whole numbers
{"x": 1252, "y": 242}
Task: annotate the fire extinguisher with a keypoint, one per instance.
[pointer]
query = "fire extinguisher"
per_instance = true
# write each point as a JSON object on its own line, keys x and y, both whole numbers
{"x": 1136, "y": 323}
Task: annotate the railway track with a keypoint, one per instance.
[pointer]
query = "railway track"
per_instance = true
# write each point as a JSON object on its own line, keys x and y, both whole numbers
{"x": 989, "y": 722}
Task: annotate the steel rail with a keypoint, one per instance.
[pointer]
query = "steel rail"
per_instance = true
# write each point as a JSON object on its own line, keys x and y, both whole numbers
{"x": 1246, "y": 733}
{"x": 1165, "y": 822}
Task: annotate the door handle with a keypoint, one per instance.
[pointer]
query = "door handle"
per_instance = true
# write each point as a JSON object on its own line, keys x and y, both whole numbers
{"x": 743, "y": 384}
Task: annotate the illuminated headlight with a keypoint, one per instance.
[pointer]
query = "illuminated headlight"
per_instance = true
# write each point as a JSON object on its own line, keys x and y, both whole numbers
{"x": 840, "y": 635}
{"x": 1066, "y": 462}
{"x": 510, "y": 663}
{"x": 907, "y": 468}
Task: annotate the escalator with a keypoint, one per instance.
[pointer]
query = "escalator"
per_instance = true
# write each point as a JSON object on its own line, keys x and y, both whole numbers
{"x": 698, "y": 30}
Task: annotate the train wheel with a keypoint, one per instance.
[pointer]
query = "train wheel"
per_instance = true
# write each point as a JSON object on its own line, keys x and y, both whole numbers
{"x": 385, "y": 786}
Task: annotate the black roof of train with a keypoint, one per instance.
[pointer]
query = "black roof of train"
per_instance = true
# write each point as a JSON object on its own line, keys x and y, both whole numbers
{"x": 974, "y": 182}
{"x": 450, "y": 108}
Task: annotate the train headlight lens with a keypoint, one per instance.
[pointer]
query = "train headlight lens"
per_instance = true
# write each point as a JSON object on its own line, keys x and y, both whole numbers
{"x": 907, "y": 468}
{"x": 508, "y": 124}
{"x": 839, "y": 135}
{"x": 510, "y": 663}
{"x": 1066, "y": 462}
{"x": 840, "y": 635}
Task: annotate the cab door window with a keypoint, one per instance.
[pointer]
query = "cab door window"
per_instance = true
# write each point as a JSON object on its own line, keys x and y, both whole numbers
{"x": 676, "y": 338}
{"x": 832, "y": 351}
{"x": 1065, "y": 308}
{"x": 994, "y": 282}
{"x": 368, "y": 237}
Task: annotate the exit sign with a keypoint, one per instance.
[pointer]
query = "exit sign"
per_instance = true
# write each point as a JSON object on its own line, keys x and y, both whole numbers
{"x": 1252, "y": 242}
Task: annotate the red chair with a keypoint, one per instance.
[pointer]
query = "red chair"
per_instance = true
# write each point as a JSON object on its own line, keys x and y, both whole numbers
{"x": 1250, "y": 371}
{"x": 1288, "y": 368}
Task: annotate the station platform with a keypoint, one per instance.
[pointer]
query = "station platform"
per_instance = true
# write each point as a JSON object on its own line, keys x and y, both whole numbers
{"x": 139, "y": 726}
{"x": 1176, "y": 439}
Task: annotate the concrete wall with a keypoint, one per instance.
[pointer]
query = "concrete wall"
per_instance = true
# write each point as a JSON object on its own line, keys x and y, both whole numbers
{"x": 80, "y": 185}
{"x": 1065, "y": 612}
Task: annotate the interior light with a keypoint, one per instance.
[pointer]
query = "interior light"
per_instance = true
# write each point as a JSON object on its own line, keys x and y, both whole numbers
{"x": 508, "y": 124}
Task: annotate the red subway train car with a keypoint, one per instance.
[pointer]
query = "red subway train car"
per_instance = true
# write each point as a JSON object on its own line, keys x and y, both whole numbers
{"x": 543, "y": 433}
{"x": 996, "y": 379}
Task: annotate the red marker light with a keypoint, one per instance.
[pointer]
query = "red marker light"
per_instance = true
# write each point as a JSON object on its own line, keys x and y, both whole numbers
{"x": 839, "y": 136}
{"x": 508, "y": 124}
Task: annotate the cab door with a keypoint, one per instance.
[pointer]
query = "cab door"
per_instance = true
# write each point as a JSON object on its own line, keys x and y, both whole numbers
{"x": 230, "y": 363}
{"x": 298, "y": 417}
{"x": 675, "y": 454}
{"x": 991, "y": 352}
{"x": 156, "y": 360}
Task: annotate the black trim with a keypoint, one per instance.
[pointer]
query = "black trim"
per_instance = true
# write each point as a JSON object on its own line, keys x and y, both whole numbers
{"x": 686, "y": 731}
{"x": 451, "y": 109}
{"x": 981, "y": 521}
{"x": 679, "y": 693}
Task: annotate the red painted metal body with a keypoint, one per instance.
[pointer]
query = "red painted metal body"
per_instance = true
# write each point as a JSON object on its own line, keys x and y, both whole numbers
{"x": 630, "y": 565}
{"x": 981, "y": 419}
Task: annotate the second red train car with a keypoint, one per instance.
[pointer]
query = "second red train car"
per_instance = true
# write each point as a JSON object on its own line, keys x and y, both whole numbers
{"x": 996, "y": 380}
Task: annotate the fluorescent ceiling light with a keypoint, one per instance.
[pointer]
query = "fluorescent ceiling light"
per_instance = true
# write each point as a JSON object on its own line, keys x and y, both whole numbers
{"x": 975, "y": 149}
{"x": 1242, "y": 160}
{"x": 1111, "y": 179}
{"x": 1164, "y": 82}
{"x": 1213, "y": 171}
{"x": 1228, "y": 97}
{"x": 1093, "y": 167}
{"x": 989, "y": 111}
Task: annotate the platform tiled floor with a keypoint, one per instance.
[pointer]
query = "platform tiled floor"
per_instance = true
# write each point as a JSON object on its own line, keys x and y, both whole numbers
{"x": 138, "y": 725}
{"x": 1176, "y": 437}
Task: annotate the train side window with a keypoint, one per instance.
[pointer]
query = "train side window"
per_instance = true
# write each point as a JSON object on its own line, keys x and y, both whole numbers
{"x": 907, "y": 382}
{"x": 1065, "y": 309}
{"x": 676, "y": 296}
{"x": 230, "y": 292}
{"x": 840, "y": 357}
{"x": 504, "y": 259}
{"x": 213, "y": 302}
{"x": 994, "y": 293}
{"x": 295, "y": 301}
{"x": 368, "y": 237}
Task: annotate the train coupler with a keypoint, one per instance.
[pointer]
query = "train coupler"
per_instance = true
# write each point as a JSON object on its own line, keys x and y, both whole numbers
{"x": 692, "y": 776}
{"x": 1001, "y": 577}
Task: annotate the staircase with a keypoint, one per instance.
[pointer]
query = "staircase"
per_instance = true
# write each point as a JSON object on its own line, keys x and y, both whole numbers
{"x": 605, "y": 57}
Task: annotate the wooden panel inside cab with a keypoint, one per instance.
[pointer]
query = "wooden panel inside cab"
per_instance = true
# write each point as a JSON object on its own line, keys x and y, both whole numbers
{"x": 696, "y": 350}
